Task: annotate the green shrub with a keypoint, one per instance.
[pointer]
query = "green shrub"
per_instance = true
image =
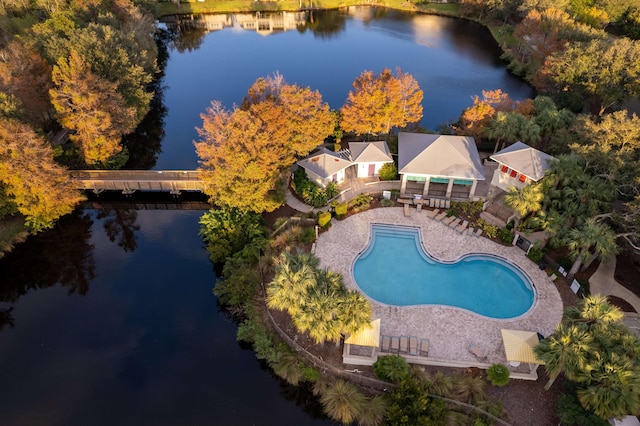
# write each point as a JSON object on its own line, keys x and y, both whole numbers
{"x": 506, "y": 236}
{"x": 387, "y": 203}
{"x": 452, "y": 212}
{"x": 310, "y": 374}
{"x": 536, "y": 254}
{"x": 308, "y": 235}
{"x": 489, "y": 229}
{"x": 498, "y": 375}
{"x": 361, "y": 202}
{"x": 388, "y": 171}
{"x": 331, "y": 190}
{"x": 470, "y": 208}
{"x": 391, "y": 368}
{"x": 324, "y": 219}
{"x": 340, "y": 209}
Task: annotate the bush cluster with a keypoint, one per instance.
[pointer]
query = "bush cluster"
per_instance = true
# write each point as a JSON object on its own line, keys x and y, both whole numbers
{"x": 324, "y": 219}
{"x": 311, "y": 193}
{"x": 506, "y": 236}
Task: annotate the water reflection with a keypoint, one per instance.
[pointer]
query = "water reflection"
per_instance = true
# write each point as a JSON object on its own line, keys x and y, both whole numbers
{"x": 120, "y": 224}
{"x": 62, "y": 255}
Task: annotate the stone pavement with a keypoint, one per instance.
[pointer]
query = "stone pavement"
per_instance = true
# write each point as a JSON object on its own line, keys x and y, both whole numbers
{"x": 450, "y": 330}
{"x": 603, "y": 282}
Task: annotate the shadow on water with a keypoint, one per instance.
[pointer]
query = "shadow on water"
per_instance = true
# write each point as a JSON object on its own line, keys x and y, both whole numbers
{"x": 62, "y": 255}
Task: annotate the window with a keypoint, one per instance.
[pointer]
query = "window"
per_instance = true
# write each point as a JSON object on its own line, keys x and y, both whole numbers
{"x": 513, "y": 173}
{"x": 522, "y": 178}
{"x": 504, "y": 169}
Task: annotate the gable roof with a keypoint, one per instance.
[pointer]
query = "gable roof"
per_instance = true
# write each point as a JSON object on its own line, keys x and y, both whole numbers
{"x": 524, "y": 159}
{"x": 324, "y": 163}
{"x": 439, "y": 155}
{"x": 370, "y": 152}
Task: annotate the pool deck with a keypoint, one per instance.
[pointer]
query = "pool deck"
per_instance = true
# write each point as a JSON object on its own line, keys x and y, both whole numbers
{"x": 450, "y": 330}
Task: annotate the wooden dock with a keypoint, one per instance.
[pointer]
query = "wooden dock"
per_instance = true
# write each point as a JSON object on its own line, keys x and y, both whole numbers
{"x": 130, "y": 181}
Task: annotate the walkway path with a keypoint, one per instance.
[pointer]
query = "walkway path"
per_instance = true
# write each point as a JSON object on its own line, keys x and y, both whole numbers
{"x": 603, "y": 282}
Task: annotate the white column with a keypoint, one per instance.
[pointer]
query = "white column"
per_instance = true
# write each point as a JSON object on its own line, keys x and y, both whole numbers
{"x": 403, "y": 184}
{"x": 449, "y": 188}
{"x": 472, "y": 191}
{"x": 425, "y": 191}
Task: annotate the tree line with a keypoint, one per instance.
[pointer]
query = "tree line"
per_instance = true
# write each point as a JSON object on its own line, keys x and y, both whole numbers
{"x": 85, "y": 66}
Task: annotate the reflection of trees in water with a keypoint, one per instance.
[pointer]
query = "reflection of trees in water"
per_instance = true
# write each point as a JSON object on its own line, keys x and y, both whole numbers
{"x": 144, "y": 144}
{"x": 188, "y": 38}
{"x": 325, "y": 23}
{"x": 62, "y": 255}
{"x": 120, "y": 224}
{"x": 6, "y": 318}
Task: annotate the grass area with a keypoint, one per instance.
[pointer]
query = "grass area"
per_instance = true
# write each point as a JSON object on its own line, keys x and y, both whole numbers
{"x": 12, "y": 231}
{"x": 503, "y": 35}
{"x": 228, "y": 6}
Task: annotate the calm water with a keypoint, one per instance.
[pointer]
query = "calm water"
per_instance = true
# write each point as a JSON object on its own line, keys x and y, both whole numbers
{"x": 395, "y": 270}
{"x": 452, "y": 60}
{"x": 109, "y": 318}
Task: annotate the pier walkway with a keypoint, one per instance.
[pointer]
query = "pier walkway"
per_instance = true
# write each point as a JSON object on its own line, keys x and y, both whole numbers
{"x": 130, "y": 181}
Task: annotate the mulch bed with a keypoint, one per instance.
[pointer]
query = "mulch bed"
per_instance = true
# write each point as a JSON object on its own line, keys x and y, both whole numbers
{"x": 627, "y": 273}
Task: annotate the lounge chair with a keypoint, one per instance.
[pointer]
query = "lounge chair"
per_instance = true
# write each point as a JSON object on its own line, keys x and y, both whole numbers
{"x": 460, "y": 228}
{"x": 432, "y": 213}
{"x": 454, "y": 223}
{"x": 419, "y": 207}
{"x": 441, "y": 216}
{"x": 470, "y": 231}
{"x": 404, "y": 344}
{"x": 448, "y": 220}
{"x": 432, "y": 202}
{"x": 413, "y": 346}
{"x": 447, "y": 204}
{"x": 395, "y": 344}
{"x": 385, "y": 345}
{"x": 424, "y": 347}
{"x": 478, "y": 352}
{"x": 478, "y": 232}
{"x": 407, "y": 211}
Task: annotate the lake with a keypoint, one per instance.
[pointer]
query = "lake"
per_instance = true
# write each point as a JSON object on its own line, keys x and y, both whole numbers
{"x": 109, "y": 317}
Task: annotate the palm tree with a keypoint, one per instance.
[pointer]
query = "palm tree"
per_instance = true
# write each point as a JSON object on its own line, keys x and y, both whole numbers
{"x": 591, "y": 235}
{"x": 503, "y": 126}
{"x": 564, "y": 351}
{"x": 593, "y": 311}
{"x": 319, "y": 312}
{"x": 354, "y": 312}
{"x": 295, "y": 274}
{"x": 343, "y": 402}
{"x": 612, "y": 387}
{"x": 526, "y": 200}
{"x": 374, "y": 413}
{"x": 288, "y": 368}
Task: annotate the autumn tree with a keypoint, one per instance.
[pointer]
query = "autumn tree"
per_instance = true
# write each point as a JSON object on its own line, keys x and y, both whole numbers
{"x": 26, "y": 77}
{"x": 475, "y": 118}
{"x": 244, "y": 152}
{"x": 604, "y": 71}
{"x": 40, "y": 189}
{"x": 91, "y": 107}
{"x": 378, "y": 103}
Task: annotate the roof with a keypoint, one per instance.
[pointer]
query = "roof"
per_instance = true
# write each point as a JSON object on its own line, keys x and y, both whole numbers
{"x": 369, "y": 336}
{"x": 439, "y": 155}
{"x": 324, "y": 163}
{"x": 370, "y": 152}
{"x": 524, "y": 159}
{"x": 518, "y": 346}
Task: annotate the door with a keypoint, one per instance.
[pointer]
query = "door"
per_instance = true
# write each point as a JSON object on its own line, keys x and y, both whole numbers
{"x": 372, "y": 170}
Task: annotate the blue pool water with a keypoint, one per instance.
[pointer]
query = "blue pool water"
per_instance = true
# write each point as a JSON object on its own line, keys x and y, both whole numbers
{"x": 394, "y": 269}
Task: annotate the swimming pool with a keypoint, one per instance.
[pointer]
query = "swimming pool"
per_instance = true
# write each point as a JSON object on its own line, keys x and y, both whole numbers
{"x": 394, "y": 269}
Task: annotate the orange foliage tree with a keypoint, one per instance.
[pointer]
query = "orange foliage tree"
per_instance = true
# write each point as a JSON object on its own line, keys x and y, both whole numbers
{"x": 244, "y": 152}
{"x": 39, "y": 187}
{"x": 92, "y": 107}
{"x": 475, "y": 118}
{"x": 378, "y": 103}
{"x": 26, "y": 76}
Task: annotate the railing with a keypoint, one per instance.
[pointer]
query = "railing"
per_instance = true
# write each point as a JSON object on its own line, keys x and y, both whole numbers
{"x": 129, "y": 181}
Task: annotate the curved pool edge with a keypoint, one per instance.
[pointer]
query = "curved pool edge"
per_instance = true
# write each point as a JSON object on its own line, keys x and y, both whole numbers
{"x": 450, "y": 329}
{"x": 461, "y": 257}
